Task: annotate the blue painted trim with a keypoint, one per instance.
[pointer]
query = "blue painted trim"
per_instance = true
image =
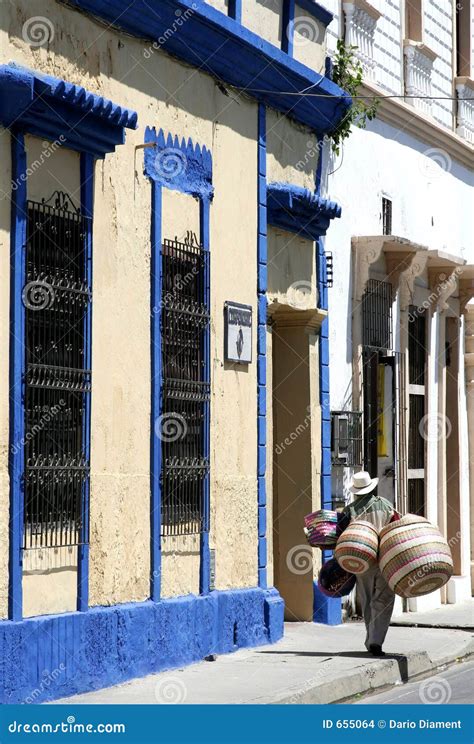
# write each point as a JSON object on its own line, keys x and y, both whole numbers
{"x": 235, "y": 10}
{"x": 87, "y": 205}
{"x": 248, "y": 62}
{"x": 205, "y": 564}
{"x": 57, "y": 110}
{"x": 109, "y": 645}
{"x": 178, "y": 165}
{"x": 187, "y": 168}
{"x": 299, "y": 210}
{"x": 325, "y": 610}
{"x": 287, "y": 26}
{"x": 155, "y": 454}
{"x": 17, "y": 369}
{"x": 262, "y": 342}
{"x": 317, "y": 10}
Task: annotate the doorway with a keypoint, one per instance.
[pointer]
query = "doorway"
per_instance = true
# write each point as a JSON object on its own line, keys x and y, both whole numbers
{"x": 294, "y": 355}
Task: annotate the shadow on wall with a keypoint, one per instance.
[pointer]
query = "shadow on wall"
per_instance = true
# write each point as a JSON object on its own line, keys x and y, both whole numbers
{"x": 128, "y": 65}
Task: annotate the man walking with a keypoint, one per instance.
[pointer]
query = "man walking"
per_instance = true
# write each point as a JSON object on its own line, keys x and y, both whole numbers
{"x": 375, "y": 595}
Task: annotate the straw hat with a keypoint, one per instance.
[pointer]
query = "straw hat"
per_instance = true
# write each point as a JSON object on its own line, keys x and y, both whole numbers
{"x": 362, "y": 483}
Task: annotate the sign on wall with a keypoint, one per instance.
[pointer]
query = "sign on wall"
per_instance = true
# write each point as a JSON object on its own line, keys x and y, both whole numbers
{"x": 238, "y": 332}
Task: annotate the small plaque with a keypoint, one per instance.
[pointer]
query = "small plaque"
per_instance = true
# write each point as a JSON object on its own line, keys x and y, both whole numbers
{"x": 238, "y": 332}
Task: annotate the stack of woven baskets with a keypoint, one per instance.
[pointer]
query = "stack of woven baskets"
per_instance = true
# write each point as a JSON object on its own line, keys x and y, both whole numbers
{"x": 413, "y": 556}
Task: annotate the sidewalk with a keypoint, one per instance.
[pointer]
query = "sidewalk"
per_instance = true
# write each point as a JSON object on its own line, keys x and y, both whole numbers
{"x": 448, "y": 616}
{"x": 311, "y": 664}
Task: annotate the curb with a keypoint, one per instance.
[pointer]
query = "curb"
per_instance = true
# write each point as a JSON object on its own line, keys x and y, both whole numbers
{"x": 369, "y": 678}
{"x": 440, "y": 626}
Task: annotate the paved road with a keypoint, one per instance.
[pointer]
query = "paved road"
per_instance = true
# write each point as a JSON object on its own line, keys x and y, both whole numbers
{"x": 455, "y": 685}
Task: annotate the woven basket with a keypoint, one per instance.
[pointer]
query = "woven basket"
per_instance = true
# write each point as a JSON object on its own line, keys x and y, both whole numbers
{"x": 333, "y": 581}
{"x": 323, "y": 527}
{"x": 414, "y": 557}
{"x": 357, "y": 548}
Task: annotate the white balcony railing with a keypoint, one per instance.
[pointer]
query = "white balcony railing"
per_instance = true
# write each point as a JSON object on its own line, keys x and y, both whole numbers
{"x": 465, "y": 111}
{"x": 418, "y": 70}
{"x": 360, "y": 21}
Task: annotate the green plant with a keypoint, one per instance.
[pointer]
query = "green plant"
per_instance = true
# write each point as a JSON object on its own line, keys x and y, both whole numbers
{"x": 348, "y": 74}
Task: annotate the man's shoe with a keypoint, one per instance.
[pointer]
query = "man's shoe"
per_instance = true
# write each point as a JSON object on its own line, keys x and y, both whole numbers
{"x": 376, "y": 650}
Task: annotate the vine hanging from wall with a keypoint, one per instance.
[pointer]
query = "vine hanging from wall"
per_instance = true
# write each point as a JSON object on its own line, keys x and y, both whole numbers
{"x": 348, "y": 74}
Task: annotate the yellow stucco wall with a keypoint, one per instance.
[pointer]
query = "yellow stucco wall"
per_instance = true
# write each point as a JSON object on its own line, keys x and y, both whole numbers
{"x": 292, "y": 152}
{"x": 264, "y": 18}
{"x": 170, "y": 95}
{"x": 309, "y": 40}
{"x": 221, "y": 5}
{"x": 291, "y": 270}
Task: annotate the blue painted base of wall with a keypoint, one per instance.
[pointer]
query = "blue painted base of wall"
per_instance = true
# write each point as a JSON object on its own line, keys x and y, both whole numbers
{"x": 325, "y": 609}
{"x": 54, "y": 656}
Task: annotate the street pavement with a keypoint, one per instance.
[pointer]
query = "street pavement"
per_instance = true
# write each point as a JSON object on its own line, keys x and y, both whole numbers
{"x": 452, "y": 686}
{"x": 312, "y": 664}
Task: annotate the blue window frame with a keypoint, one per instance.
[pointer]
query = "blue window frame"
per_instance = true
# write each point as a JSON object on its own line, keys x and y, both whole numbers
{"x": 187, "y": 168}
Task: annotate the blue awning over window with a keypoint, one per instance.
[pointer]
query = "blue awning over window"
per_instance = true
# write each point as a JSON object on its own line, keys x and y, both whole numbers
{"x": 52, "y": 108}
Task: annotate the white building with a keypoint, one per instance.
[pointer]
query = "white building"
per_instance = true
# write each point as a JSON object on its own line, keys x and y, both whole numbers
{"x": 403, "y": 256}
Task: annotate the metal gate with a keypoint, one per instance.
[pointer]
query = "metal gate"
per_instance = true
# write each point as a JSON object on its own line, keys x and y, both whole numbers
{"x": 57, "y": 383}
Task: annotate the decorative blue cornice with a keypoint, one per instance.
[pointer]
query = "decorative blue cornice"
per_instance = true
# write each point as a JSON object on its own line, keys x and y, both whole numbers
{"x": 317, "y": 10}
{"x": 55, "y": 109}
{"x": 181, "y": 166}
{"x": 299, "y": 210}
{"x": 205, "y": 38}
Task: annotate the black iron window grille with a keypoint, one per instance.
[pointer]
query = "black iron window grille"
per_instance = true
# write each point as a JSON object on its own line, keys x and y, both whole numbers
{"x": 346, "y": 438}
{"x": 329, "y": 269}
{"x": 377, "y": 315}
{"x": 386, "y": 216}
{"x": 184, "y": 320}
{"x": 57, "y": 383}
{"x": 417, "y": 346}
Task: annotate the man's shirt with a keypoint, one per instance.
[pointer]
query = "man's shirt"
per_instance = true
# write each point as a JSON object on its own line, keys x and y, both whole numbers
{"x": 371, "y": 508}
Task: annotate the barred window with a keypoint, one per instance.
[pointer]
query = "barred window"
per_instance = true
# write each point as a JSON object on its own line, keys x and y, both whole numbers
{"x": 185, "y": 393}
{"x": 377, "y": 315}
{"x": 57, "y": 382}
